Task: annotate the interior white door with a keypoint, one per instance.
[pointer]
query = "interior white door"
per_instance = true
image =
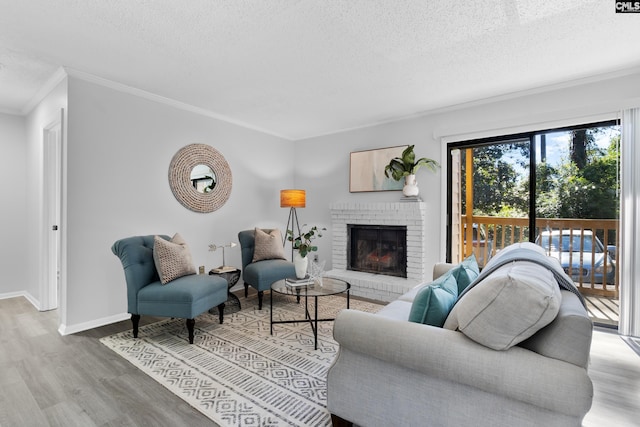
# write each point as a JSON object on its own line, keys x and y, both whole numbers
{"x": 52, "y": 150}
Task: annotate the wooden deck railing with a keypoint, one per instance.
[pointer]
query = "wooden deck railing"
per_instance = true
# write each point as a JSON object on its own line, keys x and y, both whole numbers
{"x": 486, "y": 235}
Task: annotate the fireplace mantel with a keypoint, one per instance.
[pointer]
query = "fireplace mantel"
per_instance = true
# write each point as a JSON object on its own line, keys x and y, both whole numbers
{"x": 376, "y": 286}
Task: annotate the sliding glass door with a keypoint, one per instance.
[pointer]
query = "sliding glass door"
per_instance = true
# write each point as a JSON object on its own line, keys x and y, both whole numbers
{"x": 558, "y": 188}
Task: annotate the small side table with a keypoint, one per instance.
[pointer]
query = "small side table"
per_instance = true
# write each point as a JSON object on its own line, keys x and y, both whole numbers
{"x": 233, "y": 302}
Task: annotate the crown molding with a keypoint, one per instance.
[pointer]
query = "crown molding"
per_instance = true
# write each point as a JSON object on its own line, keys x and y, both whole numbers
{"x": 578, "y": 81}
{"x": 11, "y": 112}
{"x": 493, "y": 99}
{"x": 120, "y": 87}
{"x": 53, "y": 81}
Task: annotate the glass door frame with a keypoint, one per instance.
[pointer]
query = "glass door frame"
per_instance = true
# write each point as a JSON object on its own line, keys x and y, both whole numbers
{"x": 531, "y": 135}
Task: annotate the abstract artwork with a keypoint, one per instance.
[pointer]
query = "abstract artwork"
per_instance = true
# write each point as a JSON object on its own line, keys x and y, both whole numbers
{"x": 367, "y": 170}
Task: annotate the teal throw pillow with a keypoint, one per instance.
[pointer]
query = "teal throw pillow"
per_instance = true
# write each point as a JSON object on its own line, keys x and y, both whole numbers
{"x": 466, "y": 272}
{"x": 433, "y": 302}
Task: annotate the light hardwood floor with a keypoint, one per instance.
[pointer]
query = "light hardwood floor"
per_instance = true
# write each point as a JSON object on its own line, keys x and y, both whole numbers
{"x": 50, "y": 380}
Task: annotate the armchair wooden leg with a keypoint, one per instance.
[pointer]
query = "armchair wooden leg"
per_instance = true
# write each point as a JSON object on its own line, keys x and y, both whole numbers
{"x": 260, "y": 295}
{"x": 246, "y": 289}
{"x": 135, "y": 319}
{"x": 190, "y": 326}
{"x": 221, "y": 312}
{"x": 336, "y": 421}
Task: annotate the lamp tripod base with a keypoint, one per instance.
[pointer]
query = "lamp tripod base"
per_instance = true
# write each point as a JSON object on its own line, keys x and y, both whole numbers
{"x": 293, "y": 221}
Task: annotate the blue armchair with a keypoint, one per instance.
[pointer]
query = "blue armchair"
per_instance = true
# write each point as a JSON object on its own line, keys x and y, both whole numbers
{"x": 185, "y": 297}
{"x": 260, "y": 274}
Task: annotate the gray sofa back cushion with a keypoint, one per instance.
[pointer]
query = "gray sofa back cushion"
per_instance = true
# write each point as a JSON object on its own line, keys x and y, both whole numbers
{"x": 508, "y": 306}
{"x": 568, "y": 337}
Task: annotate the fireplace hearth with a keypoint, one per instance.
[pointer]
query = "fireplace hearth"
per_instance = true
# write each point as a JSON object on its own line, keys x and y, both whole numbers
{"x": 379, "y": 249}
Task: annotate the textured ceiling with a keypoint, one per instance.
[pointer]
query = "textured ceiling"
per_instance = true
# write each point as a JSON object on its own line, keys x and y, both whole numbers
{"x": 299, "y": 68}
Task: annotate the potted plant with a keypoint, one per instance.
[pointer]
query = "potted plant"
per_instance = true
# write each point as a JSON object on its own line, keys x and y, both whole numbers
{"x": 303, "y": 245}
{"x": 406, "y": 167}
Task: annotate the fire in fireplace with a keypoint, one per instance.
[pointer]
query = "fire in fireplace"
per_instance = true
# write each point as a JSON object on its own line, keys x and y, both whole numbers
{"x": 377, "y": 249}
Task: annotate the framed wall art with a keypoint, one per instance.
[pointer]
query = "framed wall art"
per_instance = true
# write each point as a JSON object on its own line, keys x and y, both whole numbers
{"x": 366, "y": 170}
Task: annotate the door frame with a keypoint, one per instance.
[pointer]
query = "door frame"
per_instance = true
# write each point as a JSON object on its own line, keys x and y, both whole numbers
{"x": 51, "y": 277}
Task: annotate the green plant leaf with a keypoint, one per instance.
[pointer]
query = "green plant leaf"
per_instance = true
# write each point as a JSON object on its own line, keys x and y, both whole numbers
{"x": 302, "y": 243}
{"x": 399, "y": 167}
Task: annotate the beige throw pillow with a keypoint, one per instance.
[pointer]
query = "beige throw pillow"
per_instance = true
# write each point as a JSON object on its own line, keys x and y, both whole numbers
{"x": 268, "y": 245}
{"x": 172, "y": 258}
{"x": 507, "y": 307}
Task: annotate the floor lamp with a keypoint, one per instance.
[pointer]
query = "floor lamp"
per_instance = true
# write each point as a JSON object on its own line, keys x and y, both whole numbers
{"x": 292, "y": 199}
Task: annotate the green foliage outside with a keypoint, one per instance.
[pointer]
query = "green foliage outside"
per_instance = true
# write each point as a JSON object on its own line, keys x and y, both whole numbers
{"x": 590, "y": 192}
{"x": 585, "y": 184}
{"x": 495, "y": 179}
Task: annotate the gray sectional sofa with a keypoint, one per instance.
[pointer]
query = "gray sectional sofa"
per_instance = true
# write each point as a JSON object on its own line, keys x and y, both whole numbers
{"x": 513, "y": 351}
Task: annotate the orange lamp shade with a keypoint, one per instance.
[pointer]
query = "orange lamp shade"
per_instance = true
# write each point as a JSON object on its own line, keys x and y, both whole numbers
{"x": 293, "y": 198}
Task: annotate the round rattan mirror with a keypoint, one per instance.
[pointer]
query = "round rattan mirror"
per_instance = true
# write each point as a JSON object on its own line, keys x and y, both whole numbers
{"x": 182, "y": 165}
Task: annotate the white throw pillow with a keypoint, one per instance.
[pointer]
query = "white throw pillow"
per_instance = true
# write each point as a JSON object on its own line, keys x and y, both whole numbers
{"x": 508, "y": 306}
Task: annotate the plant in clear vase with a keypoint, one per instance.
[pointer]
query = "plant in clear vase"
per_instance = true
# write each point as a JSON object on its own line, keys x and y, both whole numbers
{"x": 303, "y": 245}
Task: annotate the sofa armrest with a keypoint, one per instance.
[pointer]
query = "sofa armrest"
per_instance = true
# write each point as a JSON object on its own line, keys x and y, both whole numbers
{"x": 440, "y": 268}
{"x": 516, "y": 373}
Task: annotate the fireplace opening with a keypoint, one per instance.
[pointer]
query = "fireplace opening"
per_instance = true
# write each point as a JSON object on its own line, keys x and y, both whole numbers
{"x": 379, "y": 249}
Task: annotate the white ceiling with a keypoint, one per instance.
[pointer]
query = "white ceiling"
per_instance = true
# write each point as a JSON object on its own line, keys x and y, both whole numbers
{"x": 300, "y": 68}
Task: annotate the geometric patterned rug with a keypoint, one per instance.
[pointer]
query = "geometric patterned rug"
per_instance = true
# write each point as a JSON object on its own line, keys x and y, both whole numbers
{"x": 237, "y": 374}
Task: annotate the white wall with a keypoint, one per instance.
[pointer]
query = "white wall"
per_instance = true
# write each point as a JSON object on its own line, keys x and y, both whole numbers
{"x": 119, "y": 147}
{"x": 14, "y": 259}
{"x": 322, "y": 163}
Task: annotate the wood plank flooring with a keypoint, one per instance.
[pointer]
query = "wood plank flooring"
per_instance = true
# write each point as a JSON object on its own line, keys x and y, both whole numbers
{"x": 50, "y": 380}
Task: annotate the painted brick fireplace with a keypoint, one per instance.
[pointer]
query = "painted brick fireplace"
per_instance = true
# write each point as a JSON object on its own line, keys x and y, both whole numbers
{"x": 378, "y": 286}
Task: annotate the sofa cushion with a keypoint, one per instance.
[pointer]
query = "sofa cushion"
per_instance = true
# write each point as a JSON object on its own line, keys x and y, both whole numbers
{"x": 433, "y": 302}
{"x": 397, "y": 310}
{"x": 267, "y": 245}
{"x": 466, "y": 272}
{"x": 508, "y": 306}
{"x": 172, "y": 258}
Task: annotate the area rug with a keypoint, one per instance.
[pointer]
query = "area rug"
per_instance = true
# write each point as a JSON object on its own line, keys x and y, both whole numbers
{"x": 237, "y": 373}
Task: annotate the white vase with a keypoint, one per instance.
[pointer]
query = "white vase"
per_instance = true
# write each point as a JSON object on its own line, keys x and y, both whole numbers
{"x": 410, "y": 188}
{"x": 300, "y": 265}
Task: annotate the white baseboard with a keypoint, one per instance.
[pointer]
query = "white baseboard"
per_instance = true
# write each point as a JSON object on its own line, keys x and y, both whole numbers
{"x": 70, "y": 329}
{"x": 12, "y": 295}
{"x": 79, "y": 327}
{"x": 24, "y": 294}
